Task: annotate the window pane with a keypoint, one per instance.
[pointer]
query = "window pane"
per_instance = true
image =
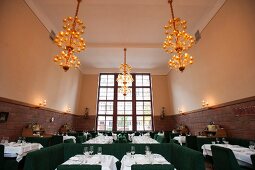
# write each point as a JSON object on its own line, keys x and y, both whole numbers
{"x": 103, "y": 81}
{"x": 139, "y": 94}
{"x": 147, "y": 123}
{"x": 139, "y": 80}
{"x": 110, "y": 93}
{"x": 128, "y": 123}
{"x": 109, "y": 120}
{"x": 146, "y": 80}
{"x": 101, "y": 123}
{"x": 120, "y": 123}
{"x": 110, "y": 80}
{"x": 146, "y": 94}
{"x": 139, "y": 123}
{"x": 102, "y": 107}
{"x": 102, "y": 95}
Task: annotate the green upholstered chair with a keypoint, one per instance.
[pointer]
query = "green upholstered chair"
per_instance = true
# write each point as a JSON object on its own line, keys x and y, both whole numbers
{"x": 37, "y": 160}
{"x": 224, "y": 159}
{"x": 56, "y": 139}
{"x": 161, "y": 138}
{"x": 80, "y": 139}
{"x": 172, "y": 135}
{"x": 1, "y": 156}
{"x": 68, "y": 141}
{"x": 152, "y": 167}
{"x": 6, "y": 163}
{"x": 184, "y": 158}
{"x": 203, "y": 140}
{"x": 191, "y": 142}
{"x": 79, "y": 167}
{"x": 253, "y": 161}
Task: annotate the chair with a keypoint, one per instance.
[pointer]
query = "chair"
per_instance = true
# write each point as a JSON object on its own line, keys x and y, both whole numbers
{"x": 6, "y": 163}
{"x": 224, "y": 159}
{"x": 191, "y": 142}
{"x": 56, "y": 140}
{"x": 253, "y": 161}
{"x": 68, "y": 141}
{"x": 152, "y": 167}
{"x": 79, "y": 167}
{"x": 80, "y": 139}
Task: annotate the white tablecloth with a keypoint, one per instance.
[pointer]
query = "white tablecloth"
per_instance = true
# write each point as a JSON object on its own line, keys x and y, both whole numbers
{"x": 108, "y": 162}
{"x": 69, "y": 137}
{"x": 180, "y": 139}
{"x": 20, "y": 150}
{"x": 101, "y": 140}
{"x": 242, "y": 154}
{"x": 127, "y": 161}
{"x": 143, "y": 139}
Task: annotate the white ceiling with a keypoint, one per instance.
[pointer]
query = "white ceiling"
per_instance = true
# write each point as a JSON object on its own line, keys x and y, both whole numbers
{"x": 137, "y": 25}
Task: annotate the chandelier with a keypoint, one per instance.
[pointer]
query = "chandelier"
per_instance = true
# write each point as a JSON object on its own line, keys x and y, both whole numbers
{"x": 125, "y": 78}
{"x": 70, "y": 41}
{"x": 177, "y": 42}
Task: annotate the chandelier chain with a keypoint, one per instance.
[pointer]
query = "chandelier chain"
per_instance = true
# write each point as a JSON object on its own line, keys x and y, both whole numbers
{"x": 172, "y": 11}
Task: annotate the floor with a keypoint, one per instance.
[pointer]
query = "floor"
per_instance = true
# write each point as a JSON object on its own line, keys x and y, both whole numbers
{"x": 208, "y": 164}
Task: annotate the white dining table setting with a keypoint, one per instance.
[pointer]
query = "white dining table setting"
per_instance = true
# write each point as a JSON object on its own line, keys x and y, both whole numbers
{"x": 242, "y": 154}
{"x": 66, "y": 137}
{"x": 180, "y": 139}
{"x": 108, "y": 162}
{"x": 19, "y": 150}
{"x": 129, "y": 160}
{"x": 101, "y": 139}
{"x": 143, "y": 139}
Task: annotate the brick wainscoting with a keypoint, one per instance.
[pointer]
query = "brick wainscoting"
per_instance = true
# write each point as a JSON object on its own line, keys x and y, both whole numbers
{"x": 22, "y": 114}
{"x": 237, "y": 117}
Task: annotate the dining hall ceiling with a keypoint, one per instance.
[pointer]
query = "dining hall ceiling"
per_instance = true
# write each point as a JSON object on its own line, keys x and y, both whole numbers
{"x": 137, "y": 25}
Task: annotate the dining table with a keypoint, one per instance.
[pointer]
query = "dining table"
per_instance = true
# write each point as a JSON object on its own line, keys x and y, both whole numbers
{"x": 180, "y": 139}
{"x": 108, "y": 162}
{"x": 128, "y": 160}
{"x": 242, "y": 154}
{"x": 143, "y": 139}
{"x": 66, "y": 137}
{"x": 101, "y": 139}
{"x": 19, "y": 150}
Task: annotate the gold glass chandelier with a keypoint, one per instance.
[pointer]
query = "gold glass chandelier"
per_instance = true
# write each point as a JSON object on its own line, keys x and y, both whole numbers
{"x": 177, "y": 42}
{"x": 125, "y": 78}
{"x": 70, "y": 41}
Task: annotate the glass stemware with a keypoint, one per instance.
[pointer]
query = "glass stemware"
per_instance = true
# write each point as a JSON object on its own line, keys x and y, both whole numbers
{"x": 99, "y": 150}
{"x": 133, "y": 151}
{"x": 147, "y": 149}
{"x": 91, "y": 150}
{"x": 252, "y": 145}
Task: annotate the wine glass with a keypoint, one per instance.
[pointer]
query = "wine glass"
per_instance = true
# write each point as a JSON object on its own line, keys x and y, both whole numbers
{"x": 133, "y": 150}
{"x": 252, "y": 145}
{"x": 91, "y": 150}
{"x": 99, "y": 150}
{"x": 217, "y": 140}
{"x": 147, "y": 149}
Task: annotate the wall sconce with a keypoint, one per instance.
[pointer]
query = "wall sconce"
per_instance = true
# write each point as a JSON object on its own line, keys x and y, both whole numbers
{"x": 205, "y": 104}
{"x": 162, "y": 114}
{"x": 52, "y": 119}
{"x": 43, "y": 103}
{"x": 68, "y": 110}
{"x": 180, "y": 111}
{"x": 86, "y": 113}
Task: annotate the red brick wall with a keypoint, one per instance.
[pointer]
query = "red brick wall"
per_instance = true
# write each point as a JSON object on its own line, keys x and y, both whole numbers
{"x": 87, "y": 124}
{"x": 21, "y": 115}
{"x": 237, "y": 117}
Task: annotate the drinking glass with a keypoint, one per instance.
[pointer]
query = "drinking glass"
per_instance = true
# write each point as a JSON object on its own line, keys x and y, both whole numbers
{"x": 252, "y": 145}
{"x": 99, "y": 150}
{"x": 147, "y": 149}
{"x": 217, "y": 140}
{"x": 85, "y": 151}
{"x": 91, "y": 150}
{"x": 133, "y": 150}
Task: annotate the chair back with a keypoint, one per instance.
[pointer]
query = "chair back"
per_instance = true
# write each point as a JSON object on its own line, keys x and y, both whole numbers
{"x": 152, "y": 167}
{"x": 191, "y": 142}
{"x": 79, "y": 167}
{"x": 253, "y": 161}
{"x": 1, "y": 156}
{"x": 224, "y": 158}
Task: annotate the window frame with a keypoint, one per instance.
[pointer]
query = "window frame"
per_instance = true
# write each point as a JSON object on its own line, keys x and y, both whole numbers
{"x": 133, "y": 101}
